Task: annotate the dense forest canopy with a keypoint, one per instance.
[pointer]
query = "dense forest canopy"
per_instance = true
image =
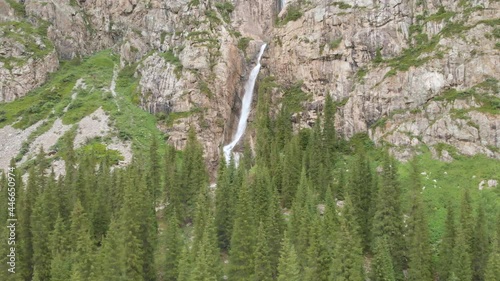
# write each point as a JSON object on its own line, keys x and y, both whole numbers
{"x": 301, "y": 206}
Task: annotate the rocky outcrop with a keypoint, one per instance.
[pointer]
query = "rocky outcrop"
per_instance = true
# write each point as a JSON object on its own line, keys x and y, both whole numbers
{"x": 385, "y": 61}
{"x": 408, "y": 73}
{"x": 26, "y": 58}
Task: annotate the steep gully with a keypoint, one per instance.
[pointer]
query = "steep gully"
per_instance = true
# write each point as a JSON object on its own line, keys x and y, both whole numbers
{"x": 245, "y": 109}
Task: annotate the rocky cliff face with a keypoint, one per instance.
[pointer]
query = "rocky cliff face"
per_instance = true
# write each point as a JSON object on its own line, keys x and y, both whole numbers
{"x": 406, "y": 72}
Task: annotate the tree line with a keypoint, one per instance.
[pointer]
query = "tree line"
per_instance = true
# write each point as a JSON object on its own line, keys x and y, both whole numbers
{"x": 291, "y": 211}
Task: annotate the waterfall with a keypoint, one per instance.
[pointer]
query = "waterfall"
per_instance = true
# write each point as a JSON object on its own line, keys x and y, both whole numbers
{"x": 282, "y": 3}
{"x": 245, "y": 107}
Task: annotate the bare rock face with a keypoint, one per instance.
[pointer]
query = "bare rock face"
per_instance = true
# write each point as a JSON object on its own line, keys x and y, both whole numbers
{"x": 394, "y": 69}
{"x": 26, "y": 58}
{"x": 409, "y": 73}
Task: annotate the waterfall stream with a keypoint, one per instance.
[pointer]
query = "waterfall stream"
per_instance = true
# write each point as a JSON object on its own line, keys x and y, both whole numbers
{"x": 245, "y": 107}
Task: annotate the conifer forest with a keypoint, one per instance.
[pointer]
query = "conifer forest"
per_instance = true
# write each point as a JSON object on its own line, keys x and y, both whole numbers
{"x": 304, "y": 206}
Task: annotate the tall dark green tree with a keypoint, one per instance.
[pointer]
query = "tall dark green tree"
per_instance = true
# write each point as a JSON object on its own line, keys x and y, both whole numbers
{"x": 447, "y": 245}
{"x": 82, "y": 256}
{"x": 388, "y": 218}
{"x": 224, "y": 204}
{"x": 492, "y": 271}
{"x": 382, "y": 268}
{"x": 461, "y": 265}
{"x": 243, "y": 241}
{"x": 173, "y": 247}
{"x": 480, "y": 246}
{"x": 419, "y": 247}
{"x": 192, "y": 177}
{"x": 154, "y": 174}
{"x": 263, "y": 270}
{"x": 111, "y": 258}
{"x": 348, "y": 256}
{"x": 289, "y": 268}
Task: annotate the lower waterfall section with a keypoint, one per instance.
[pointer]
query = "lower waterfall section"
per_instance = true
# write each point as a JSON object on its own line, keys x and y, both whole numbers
{"x": 245, "y": 107}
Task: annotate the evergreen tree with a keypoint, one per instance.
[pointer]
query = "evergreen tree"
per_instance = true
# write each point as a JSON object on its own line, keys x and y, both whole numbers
{"x": 420, "y": 263}
{"x": 382, "y": 268}
{"x": 461, "y": 264}
{"x": 173, "y": 247}
{"x": 289, "y": 268}
{"x": 42, "y": 224}
{"x": 111, "y": 265}
{"x": 224, "y": 204}
{"x": 154, "y": 176}
{"x": 262, "y": 257}
{"x": 291, "y": 167}
{"x": 27, "y": 199}
{"x": 241, "y": 262}
{"x": 318, "y": 257}
{"x": 60, "y": 267}
{"x": 480, "y": 246}
{"x": 130, "y": 219}
{"x": 388, "y": 218}
{"x": 447, "y": 245}
{"x": 275, "y": 226}
{"x": 492, "y": 271}
{"x": 348, "y": 257}
{"x": 170, "y": 170}
{"x": 83, "y": 253}
{"x": 361, "y": 189}
{"x": 192, "y": 177}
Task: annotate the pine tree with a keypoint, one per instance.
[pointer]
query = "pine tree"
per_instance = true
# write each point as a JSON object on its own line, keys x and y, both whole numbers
{"x": 83, "y": 253}
{"x": 224, "y": 204}
{"x": 492, "y": 271}
{"x": 154, "y": 176}
{"x": 303, "y": 211}
{"x": 361, "y": 190}
{"x": 111, "y": 265}
{"x": 241, "y": 262}
{"x": 480, "y": 245}
{"x": 173, "y": 247}
{"x": 129, "y": 220}
{"x": 447, "y": 245}
{"x": 420, "y": 256}
{"x": 382, "y": 268}
{"x": 60, "y": 267}
{"x": 193, "y": 176}
{"x": 461, "y": 264}
{"x": 388, "y": 218}
{"x": 289, "y": 268}
{"x": 291, "y": 167}
{"x": 206, "y": 262}
{"x": 27, "y": 199}
{"x": 348, "y": 257}
{"x": 318, "y": 257}
{"x": 42, "y": 223}
{"x": 275, "y": 226}
{"x": 262, "y": 256}
{"x": 170, "y": 170}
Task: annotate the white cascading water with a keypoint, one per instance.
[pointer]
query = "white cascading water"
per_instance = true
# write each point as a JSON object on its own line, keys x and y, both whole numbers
{"x": 245, "y": 107}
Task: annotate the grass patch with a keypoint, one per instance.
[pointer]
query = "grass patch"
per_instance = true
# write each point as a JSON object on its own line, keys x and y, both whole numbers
{"x": 446, "y": 182}
{"x": 341, "y": 5}
{"x": 225, "y": 9}
{"x": 243, "y": 43}
{"x": 293, "y": 13}
{"x": 171, "y": 58}
{"x": 51, "y": 98}
{"x": 19, "y": 9}
{"x": 99, "y": 151}
{"x": 334, "y": 44}
{"x": 293, "y": 97}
